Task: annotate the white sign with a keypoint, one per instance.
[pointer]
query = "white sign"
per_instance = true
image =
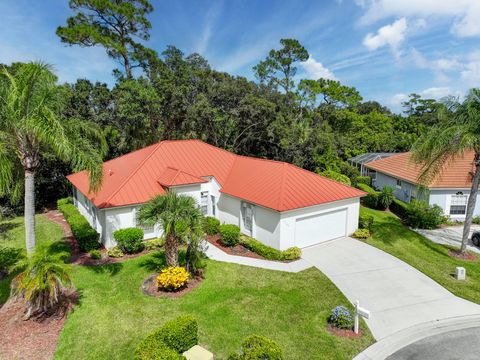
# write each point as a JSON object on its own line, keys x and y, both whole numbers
{"x": 359, "y": 311}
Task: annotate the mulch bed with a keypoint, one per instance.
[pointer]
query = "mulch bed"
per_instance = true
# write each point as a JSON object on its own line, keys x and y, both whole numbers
{"x": 150, "y": 287}
{"x": 238, "y": 250}
{"x": 468, "y": 256}
{"x": 35, "y": 338}
{"x": 346, "y": 333}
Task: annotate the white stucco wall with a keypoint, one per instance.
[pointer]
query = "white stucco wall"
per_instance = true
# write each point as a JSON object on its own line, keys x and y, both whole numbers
{"x": 288, "y": 219}
{"x": 442, "y": 198}
{"x": 94, "y": 216}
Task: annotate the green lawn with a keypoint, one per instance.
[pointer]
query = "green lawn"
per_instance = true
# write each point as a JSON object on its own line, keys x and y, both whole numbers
{"x": 12, "y": 234}
{"x": 432, "y": 259}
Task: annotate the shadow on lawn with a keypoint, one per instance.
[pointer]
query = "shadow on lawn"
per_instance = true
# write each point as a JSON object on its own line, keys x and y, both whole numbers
{"x": 157, "y": 261}
{"x": 5, "y": 228}
{"x": 111, "y": 269}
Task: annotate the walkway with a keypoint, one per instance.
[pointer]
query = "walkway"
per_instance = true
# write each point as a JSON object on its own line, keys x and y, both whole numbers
{"x": 215, "y": 253}
{"x": 397, "y": 295}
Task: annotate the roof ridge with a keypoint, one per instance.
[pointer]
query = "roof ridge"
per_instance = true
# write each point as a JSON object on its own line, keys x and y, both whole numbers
{"x": 134, "y": 171}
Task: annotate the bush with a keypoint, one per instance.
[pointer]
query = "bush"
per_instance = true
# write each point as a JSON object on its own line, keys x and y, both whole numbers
{"x": 399, "y": 208}
{"x": 344, "y": 179}
{"x": 95, "y": 254}
{"x": 423, "y": 216}
{"x": 341, "y": 318}
{"x": 86, "y": 236}
{"x": 8, "y": 258}
{"x": 173, "y": 278}
{"x": 367, "y": 180}
{"x": 115, "y": 252}
{"x": 211, "y": 225}
{"x": 371, "y": 199}
{"x": 64, "y": 201}
{"x": 257, "y": 347}
{"x": 154, "y": 244}
{"x": 365, "y": 221}
{"x": 230, "y": 234}
{"x": 129, "y": 240}
{"x": 261, "y": 249}
{"x": 174, "y": 337}
{"x": 476, "y": 220}
{"x": 268, "y": 252}
{"x": 292, "y": 253}
{"x": 361, "y": 234}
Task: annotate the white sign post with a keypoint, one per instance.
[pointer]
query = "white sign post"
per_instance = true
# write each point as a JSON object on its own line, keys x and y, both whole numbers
{"x": 359, "y": 311}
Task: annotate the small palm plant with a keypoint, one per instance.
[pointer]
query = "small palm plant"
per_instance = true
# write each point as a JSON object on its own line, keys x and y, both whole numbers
{"x": 386, "y": 196}
{"x": 43, "y": 281}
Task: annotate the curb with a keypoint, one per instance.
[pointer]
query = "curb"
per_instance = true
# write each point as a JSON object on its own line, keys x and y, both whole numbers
{"x": 392, "y": 343}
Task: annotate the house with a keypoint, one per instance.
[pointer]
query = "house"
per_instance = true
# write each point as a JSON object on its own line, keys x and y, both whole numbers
{"x": 277, "y": 203}
{"x": 450, "y": 189}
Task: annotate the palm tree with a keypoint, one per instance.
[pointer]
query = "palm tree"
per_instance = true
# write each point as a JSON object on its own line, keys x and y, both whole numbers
{"x": 456, "y": 133}
{"x": 386, "y": 197}
{"x": 30, "y": 123}
{"x": 178, "y": 216}
{"x": 43, "y": 280}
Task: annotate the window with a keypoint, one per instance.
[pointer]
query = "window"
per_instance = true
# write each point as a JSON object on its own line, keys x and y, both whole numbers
{"x": 247, "y": 216}
{"x": 204, "y": 202}
{"x": 399, "y": 184}
{"x": 458, "y": 204}
{"x": 214, "y": 205}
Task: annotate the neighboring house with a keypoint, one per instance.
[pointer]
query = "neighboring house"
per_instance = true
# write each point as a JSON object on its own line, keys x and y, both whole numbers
{"x": 450, "y": 189}
{"x": 359, "y": 161}
{"x": 277, "y": 203}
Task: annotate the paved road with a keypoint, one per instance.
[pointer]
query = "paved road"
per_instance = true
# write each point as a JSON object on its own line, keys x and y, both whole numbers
{"x": 397, "y": 295}
{"x": 455, "y": 345}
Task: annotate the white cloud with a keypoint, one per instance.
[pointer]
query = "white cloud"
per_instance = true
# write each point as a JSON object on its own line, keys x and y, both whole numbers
{"x": 392, "y": 35}
{"x": 437, "y": 93}
{"x": 211, "y": 17}
{"x": 463, "y": 13}
{"x": 471, "y": 71}
{"x": 316, "y": 70}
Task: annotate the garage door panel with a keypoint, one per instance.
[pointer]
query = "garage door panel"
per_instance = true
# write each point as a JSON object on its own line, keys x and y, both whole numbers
{"x": 311, "y": 230}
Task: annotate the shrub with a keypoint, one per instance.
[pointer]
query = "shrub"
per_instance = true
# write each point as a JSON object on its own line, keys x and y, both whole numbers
{"x": 211, "y": 225}
{"x": 154, "y": 244}
{"x": 95, "y": 254}
{"x": 230, "y": 234}
{"x": 129, "y": 240}
{"x": 399, "y": 208}
{"x": 423, "y": 216}
{"x": 367, "y": 180}
{"x": 361, "y": 234}
{"x": 175, "y": 337}
{"x": 115, "y": 252}
{"x": 365, "y": 221}
{"x": 371, "y": 199}
{"x": 261, "y": 249}
{"x": 257, "y": 347}
{"x": 64, "y": 201}
{"x": 8, "y": 258}
{"x": 173, "y": 278}
{"x": 341, "y": 318}
{"x": 476, "y": 220}
{"x": 292, "y": 253}
{"x": 331, "y": 174}
{"x": 86, "y": 236}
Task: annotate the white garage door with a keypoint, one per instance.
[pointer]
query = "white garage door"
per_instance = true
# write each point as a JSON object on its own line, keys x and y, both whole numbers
{"x": 315, "y": 229}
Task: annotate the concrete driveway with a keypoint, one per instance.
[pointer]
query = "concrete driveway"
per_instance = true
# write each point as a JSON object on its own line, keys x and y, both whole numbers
{"x": 451, "y": 235}
{"x": 397, "y": 295}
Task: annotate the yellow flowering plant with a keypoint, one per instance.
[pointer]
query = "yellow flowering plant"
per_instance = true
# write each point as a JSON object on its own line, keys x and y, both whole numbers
{"x": 173, "y": 278}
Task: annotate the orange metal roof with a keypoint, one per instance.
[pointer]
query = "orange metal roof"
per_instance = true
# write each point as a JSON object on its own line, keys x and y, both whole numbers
{"x": 138, "y": 176}
{"x": 456, "y": 174}
{"x": 175, "y": 177}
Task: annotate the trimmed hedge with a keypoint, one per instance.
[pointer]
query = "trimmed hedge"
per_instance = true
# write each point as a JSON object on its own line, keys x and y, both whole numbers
{"x": 86, "y": 236}
{"x": 268, "y": 252}
{"x": 257, "y": 347}
{"x": 129, "y": 240}
{"x": 230, "y": 234}
{"x": 172, "y": 339}
{"x": 399, "y": 208}
{"x": 367, "y": 180}
{"x": 211, "y": 225}
{"x": 371, "y": 200}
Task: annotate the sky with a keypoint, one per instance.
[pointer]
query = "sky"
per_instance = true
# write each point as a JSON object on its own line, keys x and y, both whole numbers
{"x": 387, "y": 49}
